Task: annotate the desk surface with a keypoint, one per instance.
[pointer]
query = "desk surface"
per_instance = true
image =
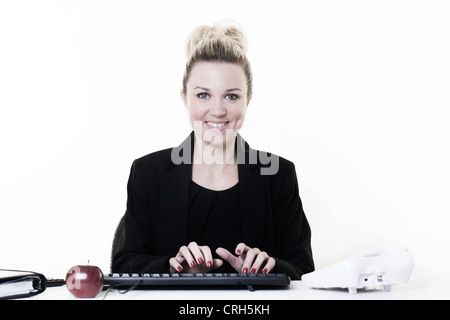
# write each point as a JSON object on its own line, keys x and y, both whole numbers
{"x": 296, "y": 291}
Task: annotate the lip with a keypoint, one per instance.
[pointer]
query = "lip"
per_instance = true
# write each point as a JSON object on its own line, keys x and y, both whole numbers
{"x": 217, "y": 125}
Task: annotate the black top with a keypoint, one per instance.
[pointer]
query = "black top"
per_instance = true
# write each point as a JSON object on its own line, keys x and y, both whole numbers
{"x": 157, "y": 218}
{"x": 215, "y": 220}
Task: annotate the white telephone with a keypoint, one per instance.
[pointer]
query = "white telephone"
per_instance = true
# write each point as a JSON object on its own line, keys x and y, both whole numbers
{"x": 368, "y": 269}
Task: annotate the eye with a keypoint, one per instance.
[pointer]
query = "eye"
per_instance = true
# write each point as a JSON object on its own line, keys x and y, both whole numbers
{"x": 231, "y": 96}
{"x": 203, "y": 95}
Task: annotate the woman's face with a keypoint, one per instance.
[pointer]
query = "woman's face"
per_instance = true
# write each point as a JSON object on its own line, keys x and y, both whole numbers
{"x": 216, "y": 101}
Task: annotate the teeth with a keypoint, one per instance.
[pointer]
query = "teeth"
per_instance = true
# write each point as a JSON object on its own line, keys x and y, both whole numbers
{"x": 214, "y": 124}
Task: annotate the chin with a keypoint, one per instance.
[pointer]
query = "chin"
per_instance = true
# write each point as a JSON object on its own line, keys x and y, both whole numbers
{"x": 218, "y": 138}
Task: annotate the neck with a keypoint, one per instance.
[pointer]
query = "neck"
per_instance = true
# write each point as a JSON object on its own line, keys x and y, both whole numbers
{"x": 217, "y": 156}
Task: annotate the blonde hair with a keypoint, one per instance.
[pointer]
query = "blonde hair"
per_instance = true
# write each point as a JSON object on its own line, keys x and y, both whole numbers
{"x": 222, "y": 42}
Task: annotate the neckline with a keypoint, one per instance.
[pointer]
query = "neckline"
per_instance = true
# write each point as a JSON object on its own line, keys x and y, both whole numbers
{"x": 212, "y": 190}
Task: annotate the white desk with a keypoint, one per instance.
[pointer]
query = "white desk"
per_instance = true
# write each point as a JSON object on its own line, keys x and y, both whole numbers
{"x": 296, "y": 291}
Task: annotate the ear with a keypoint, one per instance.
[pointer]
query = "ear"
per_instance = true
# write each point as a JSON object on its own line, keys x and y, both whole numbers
{"x": 183, "y": 97}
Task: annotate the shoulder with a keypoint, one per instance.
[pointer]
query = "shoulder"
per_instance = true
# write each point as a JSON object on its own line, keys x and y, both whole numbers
{"x": 280, "y": 173}
{"x": 156, "y": 156}
{"x": 272, "y": 164}
{"x": 158, "y": 160}
{"x": 166, "y": 159}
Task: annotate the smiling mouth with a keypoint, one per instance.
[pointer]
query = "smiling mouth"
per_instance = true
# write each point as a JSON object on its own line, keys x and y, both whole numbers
{"x": 216, "y": 124}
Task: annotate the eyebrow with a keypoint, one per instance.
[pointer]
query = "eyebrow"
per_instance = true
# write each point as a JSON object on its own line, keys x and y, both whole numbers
{"x": 228, "y": 90}
{"x": 233, "y": 89}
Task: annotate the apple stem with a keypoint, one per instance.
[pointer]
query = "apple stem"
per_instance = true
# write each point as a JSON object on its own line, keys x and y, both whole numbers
{"x": 88, "y": 262}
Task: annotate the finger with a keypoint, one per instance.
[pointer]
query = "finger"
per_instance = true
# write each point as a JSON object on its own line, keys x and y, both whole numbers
{"x": 186, "y": 253}
{"x": 175, "y": 266}
{"x": 270, "y": 265}
{"x": 249, "y": 259}
{"x": 208, "y": 258}
{"x": 179, "y": 257}
{"x": 241, "y": 248}
{"x": 230, "y": 258}
{"x": 260, "y": 259}
{"x": 217, "y": 263}
{"x": 225, "y": 254}
{"x": 196, "y": 252}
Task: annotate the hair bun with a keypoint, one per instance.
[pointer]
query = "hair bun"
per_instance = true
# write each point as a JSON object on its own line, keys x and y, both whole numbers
{"x": 223, "y": 42}
{"x": 225, "y": 31}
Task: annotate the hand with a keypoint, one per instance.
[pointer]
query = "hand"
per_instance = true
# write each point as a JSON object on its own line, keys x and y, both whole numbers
{"x": 248, "y": 259}
{"x": 194, "y": 259}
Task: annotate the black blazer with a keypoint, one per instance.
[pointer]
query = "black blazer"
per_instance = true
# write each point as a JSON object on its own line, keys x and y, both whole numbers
{"x": 155, "y": 222}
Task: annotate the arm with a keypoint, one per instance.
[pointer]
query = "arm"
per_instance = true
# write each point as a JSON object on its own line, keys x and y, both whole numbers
{"x": 289, "y": 250}
{"x": 137, "y": 252}
{"x": 292, "y": 233}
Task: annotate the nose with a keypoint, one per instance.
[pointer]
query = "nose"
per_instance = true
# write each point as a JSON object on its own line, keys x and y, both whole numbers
{"x": 218, "y": 108}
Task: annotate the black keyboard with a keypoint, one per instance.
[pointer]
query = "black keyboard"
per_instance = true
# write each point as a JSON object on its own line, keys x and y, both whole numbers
{"x": 147, "y": 280}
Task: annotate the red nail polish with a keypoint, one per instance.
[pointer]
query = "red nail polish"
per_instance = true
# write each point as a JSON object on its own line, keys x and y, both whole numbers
{"x": 209, "y": 264}
{"x": 264, "y": 270}
{"x": 180, "y": 268}
{"x": 193, "y": 264}
{"x": 253, "y": 270}
{"x": 200, "y": 260}
{"x": 245, "y": 270}
{"x": 238, "y": 251}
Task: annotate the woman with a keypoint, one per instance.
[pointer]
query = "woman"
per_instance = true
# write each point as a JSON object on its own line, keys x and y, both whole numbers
{"x": 213, "y": 204}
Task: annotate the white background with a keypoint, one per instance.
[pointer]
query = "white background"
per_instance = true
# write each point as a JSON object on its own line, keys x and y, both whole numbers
{"x": 355, "y": 93}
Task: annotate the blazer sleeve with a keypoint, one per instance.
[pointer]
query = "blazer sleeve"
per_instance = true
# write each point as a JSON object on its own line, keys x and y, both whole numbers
{"x": 292, "y": 232}
{"x": 138, "y": 253}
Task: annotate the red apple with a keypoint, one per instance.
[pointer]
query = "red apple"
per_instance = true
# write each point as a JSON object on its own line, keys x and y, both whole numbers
{"x": 84, "y": 281}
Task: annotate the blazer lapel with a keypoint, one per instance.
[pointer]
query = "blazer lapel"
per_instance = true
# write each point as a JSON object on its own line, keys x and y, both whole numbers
{"x": 175, "y": 197}
{"x": 253, "y": 195}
